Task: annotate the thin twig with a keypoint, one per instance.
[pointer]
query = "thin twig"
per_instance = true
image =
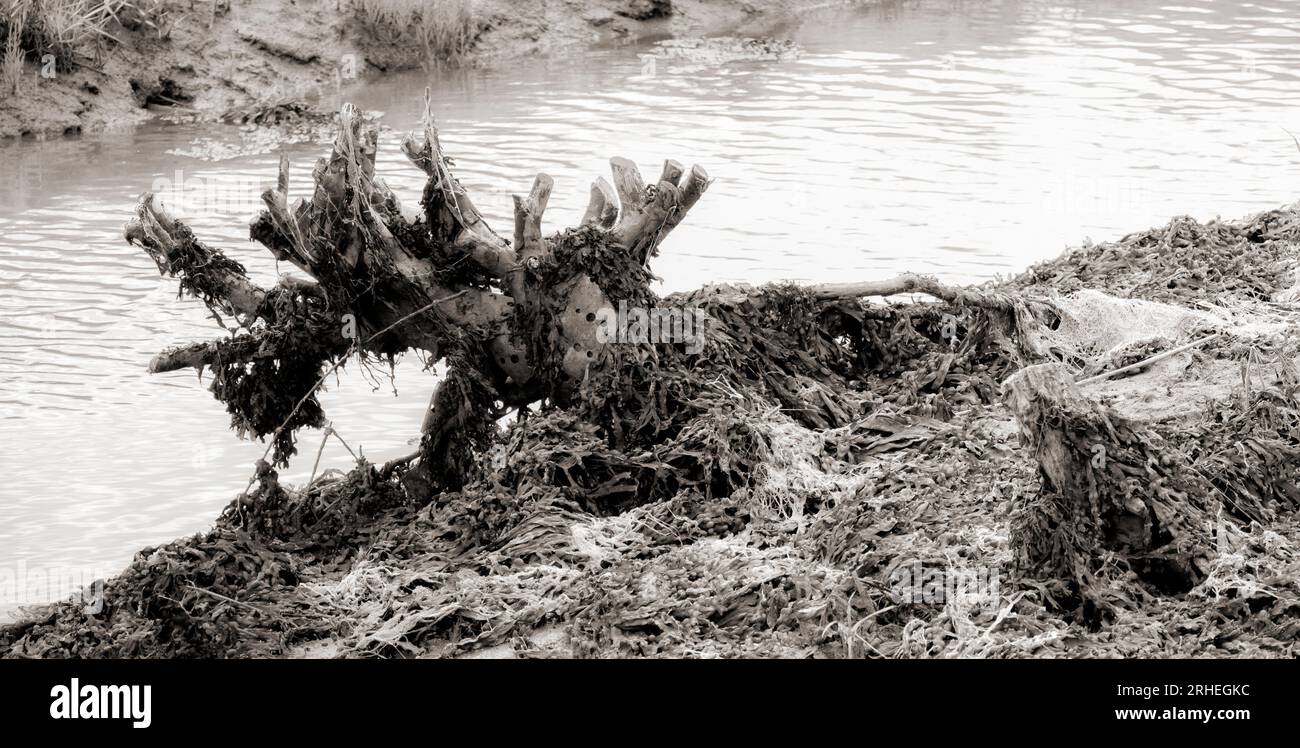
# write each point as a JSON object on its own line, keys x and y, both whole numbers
{"x": 1293, "y": 137}
{"x": 329, "y": 429}
{"x": 220, "y": 596}
{"x": 345, "y": 445}
{"x": 1149, "y": 361}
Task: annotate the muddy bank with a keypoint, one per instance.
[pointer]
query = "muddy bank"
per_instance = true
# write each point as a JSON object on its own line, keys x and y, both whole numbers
{"x": 213, "y": 60}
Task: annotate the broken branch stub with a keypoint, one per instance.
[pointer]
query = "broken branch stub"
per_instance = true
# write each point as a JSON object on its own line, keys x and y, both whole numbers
{"x": 204, "y": 272}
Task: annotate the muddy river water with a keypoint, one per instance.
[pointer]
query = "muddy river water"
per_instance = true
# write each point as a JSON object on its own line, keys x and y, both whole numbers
{"x": 964, "y": 139}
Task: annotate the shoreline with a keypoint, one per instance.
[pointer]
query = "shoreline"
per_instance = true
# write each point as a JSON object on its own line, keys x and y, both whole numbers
{"x": 208, "y": 65}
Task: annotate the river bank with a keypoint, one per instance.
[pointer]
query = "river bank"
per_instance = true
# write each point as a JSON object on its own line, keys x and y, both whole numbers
{"x": 228, "y": 58}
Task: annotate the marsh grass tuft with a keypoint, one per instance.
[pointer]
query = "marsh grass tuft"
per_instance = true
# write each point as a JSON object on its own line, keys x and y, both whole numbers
{"x": 444, "y": 29}
{"x": 12, "y": 22}
{"x": 63, "y": 28}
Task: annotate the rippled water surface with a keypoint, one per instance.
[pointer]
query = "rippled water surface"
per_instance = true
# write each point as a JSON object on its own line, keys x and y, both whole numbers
{"x": 964, "y": 139}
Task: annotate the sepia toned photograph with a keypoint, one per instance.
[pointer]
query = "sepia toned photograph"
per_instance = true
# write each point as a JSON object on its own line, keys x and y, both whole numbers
{"x": 650, "y": 329}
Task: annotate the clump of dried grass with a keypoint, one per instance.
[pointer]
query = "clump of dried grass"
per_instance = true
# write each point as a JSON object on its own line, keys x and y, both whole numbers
{"x": 13, "y": 21}
{"x": 798, "y": 476}
{"x": 443, "y": 29}
{"x": 62, "y": 28}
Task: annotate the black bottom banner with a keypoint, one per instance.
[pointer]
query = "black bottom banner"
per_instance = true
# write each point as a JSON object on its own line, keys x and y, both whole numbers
{"x": 301, "y": 698}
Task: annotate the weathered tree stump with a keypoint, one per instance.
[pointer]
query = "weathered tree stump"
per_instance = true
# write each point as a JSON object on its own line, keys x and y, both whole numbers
{"x": 1111, "y": 489}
